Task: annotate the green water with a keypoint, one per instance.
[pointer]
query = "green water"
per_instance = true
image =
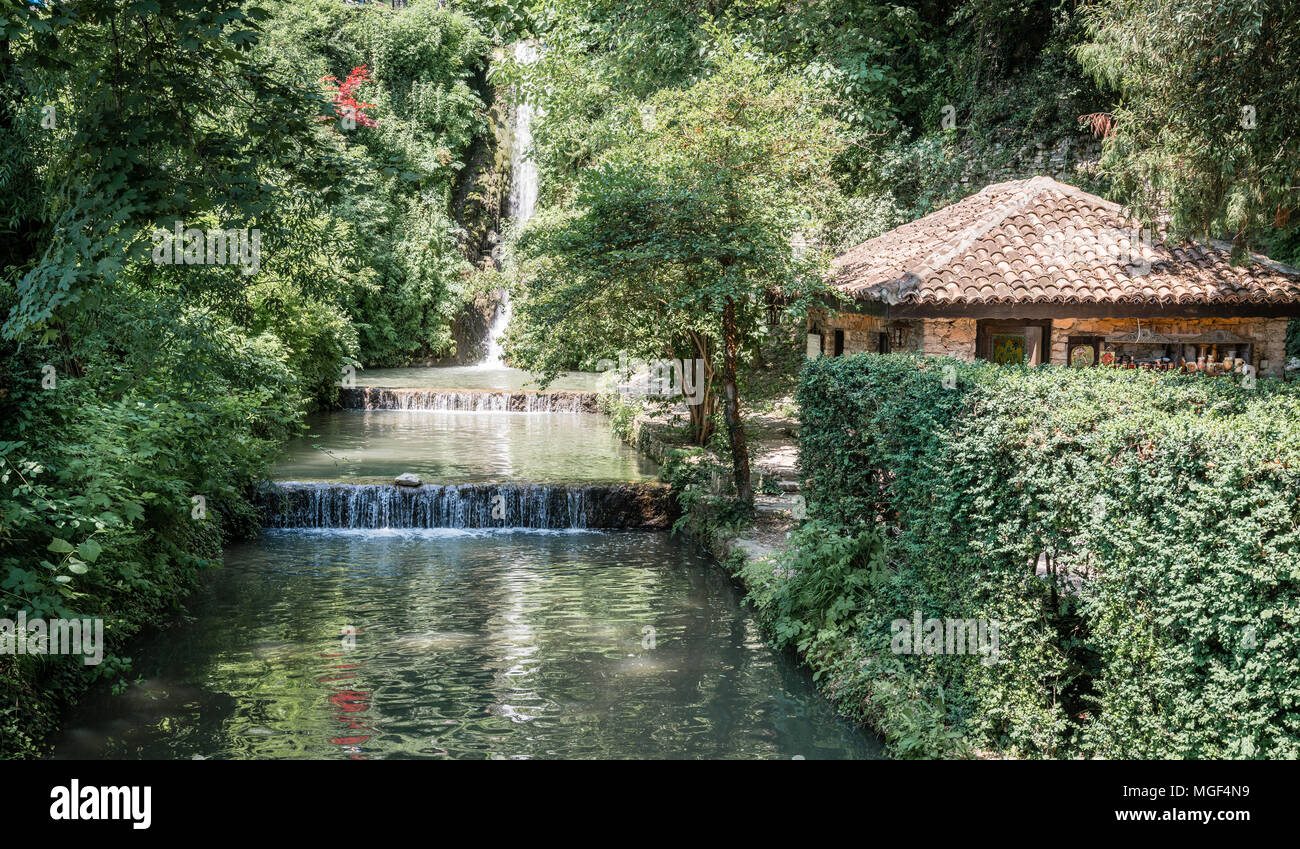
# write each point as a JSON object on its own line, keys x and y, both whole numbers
{"x": 467, "y": 645}
{"x": 455, "y": 447}
{"x": 449, "y": 643}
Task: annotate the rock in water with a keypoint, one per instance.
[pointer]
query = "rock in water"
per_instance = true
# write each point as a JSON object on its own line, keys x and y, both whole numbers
{"x": 407, "y": 479}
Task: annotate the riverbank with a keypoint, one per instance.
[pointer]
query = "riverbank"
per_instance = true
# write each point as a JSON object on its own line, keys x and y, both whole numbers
{"x": 744, "y": 545}
{"x": 497, "y": 620}
{"x": 116, "y": 500}
{"x": 40, "y": 690}
{"x": 141, "y": 400}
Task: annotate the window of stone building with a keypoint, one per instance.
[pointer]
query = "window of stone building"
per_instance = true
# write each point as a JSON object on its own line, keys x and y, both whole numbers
{"x": 1013, "y": 341}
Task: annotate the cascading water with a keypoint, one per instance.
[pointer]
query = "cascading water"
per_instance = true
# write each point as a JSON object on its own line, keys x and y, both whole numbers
{"x": 467, "y": 643}
{"x": 523, "y": 170}
{"x": 467, "y": 400}
{"x": 523, "y": 196}
{"x": 375, "y": 506}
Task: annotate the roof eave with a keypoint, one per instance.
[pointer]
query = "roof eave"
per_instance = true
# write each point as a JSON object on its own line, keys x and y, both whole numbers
{"x": 1068, "y": 309}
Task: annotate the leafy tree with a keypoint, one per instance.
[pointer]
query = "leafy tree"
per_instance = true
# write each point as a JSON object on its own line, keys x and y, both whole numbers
{"x": 1208, "y": 127}
{"x": 160, "y": 112}
{"x": 603, "y": 58}
{"x": 133, "y": 387}
{"x": 685, "y": 228}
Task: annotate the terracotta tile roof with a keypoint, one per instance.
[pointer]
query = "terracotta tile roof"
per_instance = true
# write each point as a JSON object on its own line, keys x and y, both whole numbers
{"x": 1040, "y": 241}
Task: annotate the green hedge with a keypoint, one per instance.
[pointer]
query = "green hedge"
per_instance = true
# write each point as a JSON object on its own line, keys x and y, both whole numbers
{"x": 1166, "y": 622}
{"x": 97, "y": 477}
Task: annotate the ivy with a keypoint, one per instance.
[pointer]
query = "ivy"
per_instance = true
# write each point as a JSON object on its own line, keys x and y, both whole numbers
{"x": 1135, "y": 535}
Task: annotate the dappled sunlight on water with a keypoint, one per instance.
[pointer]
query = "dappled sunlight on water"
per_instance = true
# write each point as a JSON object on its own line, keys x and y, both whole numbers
{"x": 475, "y": 644}
{"x": 461, "y": 447}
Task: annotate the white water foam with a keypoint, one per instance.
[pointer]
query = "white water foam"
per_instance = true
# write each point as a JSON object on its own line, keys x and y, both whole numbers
{"x": 523, "y": 198}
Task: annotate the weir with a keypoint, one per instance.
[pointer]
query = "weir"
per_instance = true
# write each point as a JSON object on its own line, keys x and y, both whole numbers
{"x": 516, "y": 505}
{"x": 468, "y": 400}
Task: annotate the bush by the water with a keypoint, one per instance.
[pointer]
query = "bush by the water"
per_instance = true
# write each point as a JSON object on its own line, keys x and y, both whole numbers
{"x": 133, "y": 386}
{"x": 1135, "y": 536}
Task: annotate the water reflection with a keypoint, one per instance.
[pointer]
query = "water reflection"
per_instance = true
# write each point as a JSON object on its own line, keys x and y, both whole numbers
{"x": 466, "y": 645}
{"x": 461, "y": 447}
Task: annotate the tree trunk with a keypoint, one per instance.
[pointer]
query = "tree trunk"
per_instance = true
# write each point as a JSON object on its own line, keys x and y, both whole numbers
{"x": 731, "y": 402}
{"x": 701, "y": 425}
{"x": 701, "y": 413}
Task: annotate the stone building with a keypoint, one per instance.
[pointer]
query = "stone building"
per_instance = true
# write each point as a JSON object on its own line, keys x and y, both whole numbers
{"x": 1037, "y": 271}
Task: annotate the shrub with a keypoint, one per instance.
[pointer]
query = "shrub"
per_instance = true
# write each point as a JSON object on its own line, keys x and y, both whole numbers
{"x": 1135, "y": 535}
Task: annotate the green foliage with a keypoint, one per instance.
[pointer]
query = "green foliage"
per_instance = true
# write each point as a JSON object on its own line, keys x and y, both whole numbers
{"x": 821, "y": 596}
{"x": 1207, "y": 129}
{"x": 828, "y": 576}
{"x": 407, "y": 274}
{"x": 1134, "y": 536}
{"x": 681, "y": 233}
{"x": 872, "y": 57}
{"x": 123, "y": 98}
{"x": 503, "y": 20}
{"x": 704, "y": 492}
{"x": 142, "y": 402}
{"x": 98, "y": 472}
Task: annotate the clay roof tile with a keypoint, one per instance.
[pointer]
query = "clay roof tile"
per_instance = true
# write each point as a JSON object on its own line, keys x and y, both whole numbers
{"x": 1038, "y": 239}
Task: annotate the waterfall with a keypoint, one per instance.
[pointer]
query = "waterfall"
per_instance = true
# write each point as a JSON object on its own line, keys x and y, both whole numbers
{"x": 523, "y": 194}
{"x": 468, "y": 400}
{"x": 523, "y": 170}
{"x": 374, "y": 506}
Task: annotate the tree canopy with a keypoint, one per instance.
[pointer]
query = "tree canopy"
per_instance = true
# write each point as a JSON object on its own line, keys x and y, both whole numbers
{"x": 1206, "y": 130}
{"x": 688, "y": 225}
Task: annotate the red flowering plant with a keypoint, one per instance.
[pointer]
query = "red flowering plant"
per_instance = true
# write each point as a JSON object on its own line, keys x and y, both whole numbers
{"x": 346, "y": 106}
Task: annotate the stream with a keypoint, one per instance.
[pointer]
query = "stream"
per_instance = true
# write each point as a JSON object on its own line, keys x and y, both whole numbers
{"x": 456, "y": 636}
{"x": 525, "y": 600}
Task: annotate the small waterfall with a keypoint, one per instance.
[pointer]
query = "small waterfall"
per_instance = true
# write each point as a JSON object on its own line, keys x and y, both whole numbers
{"x": 523, "y": 195}
{"x": 374, "y": 506}
{"x": 523, "y": 170}
{"x": 468, "y": 400}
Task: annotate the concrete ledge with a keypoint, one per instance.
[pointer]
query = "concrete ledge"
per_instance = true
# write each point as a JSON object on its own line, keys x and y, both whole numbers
{"x": 468, "y": 400}
{"x": 310, "y": 504}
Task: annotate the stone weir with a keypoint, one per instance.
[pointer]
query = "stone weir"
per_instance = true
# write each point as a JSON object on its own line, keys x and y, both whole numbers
{"x": 374, "y": 506}
{"x": 468, "y": 400}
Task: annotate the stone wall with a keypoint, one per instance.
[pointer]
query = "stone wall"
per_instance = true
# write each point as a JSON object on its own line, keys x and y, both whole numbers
{"x": 859, "y": 331}
{"x": 947, "y": 337}
{"x": 1269, "y": 334}
{"x": 1070, "y": 159}
{"x": 955, "y": 337}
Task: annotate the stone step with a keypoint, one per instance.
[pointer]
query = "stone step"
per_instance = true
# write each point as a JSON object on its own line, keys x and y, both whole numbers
{"x": 468, "y": 400}
{"x": 751, "y": 549}
{"x": 775, "y": 505}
